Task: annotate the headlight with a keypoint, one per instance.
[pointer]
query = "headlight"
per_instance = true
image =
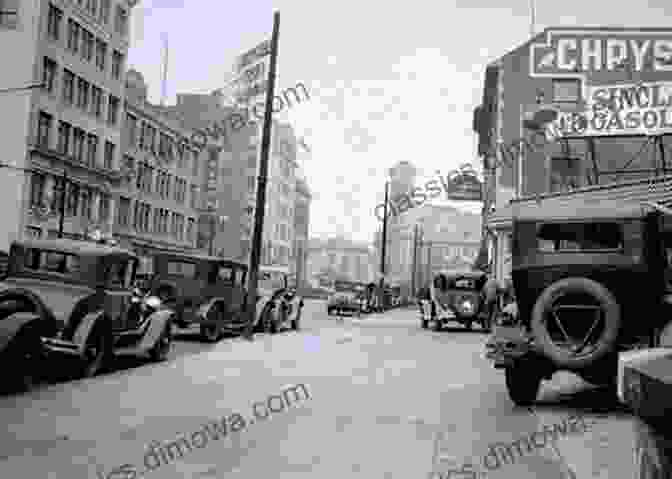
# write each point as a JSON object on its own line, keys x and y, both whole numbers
{"x": 153, "y": 302}
{"x": 467, "y": 306}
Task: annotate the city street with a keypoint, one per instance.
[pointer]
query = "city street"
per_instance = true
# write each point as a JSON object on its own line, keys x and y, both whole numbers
{"x": 387, "y": 400}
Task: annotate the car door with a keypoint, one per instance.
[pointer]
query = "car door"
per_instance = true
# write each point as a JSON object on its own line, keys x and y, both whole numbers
{"x": 118, "y": 280}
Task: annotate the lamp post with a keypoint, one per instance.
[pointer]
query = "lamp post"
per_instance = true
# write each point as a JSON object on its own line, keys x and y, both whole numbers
{"x": 64, "y": 177}
{"x": 383, "y": 246}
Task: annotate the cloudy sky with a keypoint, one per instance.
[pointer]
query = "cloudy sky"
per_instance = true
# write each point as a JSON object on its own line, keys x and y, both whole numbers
{"x": 389, "y": 81}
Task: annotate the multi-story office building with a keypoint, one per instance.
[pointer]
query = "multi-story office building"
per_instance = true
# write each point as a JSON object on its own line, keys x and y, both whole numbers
{"x": 63, "y": 138}
{"x": 160, "y": 195}
{"x": 339, "y": 258}
{"x": 606, "y": 93}
{"x": 226, "y": 158}
{"x": 301, "y": 228}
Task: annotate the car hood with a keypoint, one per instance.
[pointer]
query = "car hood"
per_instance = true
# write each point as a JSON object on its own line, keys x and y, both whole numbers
{"x": 60, "y": 298}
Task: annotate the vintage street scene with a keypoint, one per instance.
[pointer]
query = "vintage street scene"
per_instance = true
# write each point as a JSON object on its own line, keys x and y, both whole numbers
{"x": 242, "y": 241}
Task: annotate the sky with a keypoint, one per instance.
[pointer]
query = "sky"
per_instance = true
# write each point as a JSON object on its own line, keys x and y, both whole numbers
{"x": 388, "y": 81}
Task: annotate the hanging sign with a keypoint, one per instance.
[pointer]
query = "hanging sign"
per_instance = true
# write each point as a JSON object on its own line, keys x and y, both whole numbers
{"x": 636, "y": 109}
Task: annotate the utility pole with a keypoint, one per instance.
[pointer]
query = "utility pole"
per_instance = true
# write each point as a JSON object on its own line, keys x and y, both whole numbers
{"x": 415, "y": 260}
{"x": 383, "y": 247}
{"x": 257, "y": 236}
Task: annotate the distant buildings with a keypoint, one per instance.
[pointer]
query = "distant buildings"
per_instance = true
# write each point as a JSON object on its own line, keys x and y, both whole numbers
{"x": 447, "y": 239}
{"x": 67, "y": 135}
{"x": 301, "y": 229}
{"x": 339, "y": 258}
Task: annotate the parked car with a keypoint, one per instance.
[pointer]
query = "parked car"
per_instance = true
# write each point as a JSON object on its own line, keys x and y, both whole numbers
{"x": 279, "y": 306}
{"x": 588, "y": 284}
{"x": 73, "y": 299}
{"x": 348, "y": 297}
{"x": 204, "y": 291}
{"x": 456, "y": 297}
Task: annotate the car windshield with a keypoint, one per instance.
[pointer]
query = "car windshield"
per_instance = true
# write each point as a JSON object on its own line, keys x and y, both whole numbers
{"x": 52, "y": 261}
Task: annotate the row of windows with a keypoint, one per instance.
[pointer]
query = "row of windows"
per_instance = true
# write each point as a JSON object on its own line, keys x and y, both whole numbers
{"x": 9, "y": 13}
{"x": 166, "y": 185}
{"x": 79, "y": 92}
{"x": 146, "y": 219}
{"x": 79, "y": 198}
{"x": 74, "y": 142}
{"x": 142, "y": 134}
{"x": 82, "y": 42}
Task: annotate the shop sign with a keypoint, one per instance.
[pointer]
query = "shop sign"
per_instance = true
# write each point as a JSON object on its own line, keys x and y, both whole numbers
{"x": 641, "y": 109}
{"x": 575, "y": 53}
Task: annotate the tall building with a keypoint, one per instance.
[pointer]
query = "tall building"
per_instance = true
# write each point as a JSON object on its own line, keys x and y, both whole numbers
{"x": 339, "y": 258}
{"x": 604, "y": 94}
{"x": 159, "y": 207}
{"x": 226, "y": 157}
{"x": 66, "y": 136}
{"x": 301, "y": 228}
{"x": 402, "y": 180}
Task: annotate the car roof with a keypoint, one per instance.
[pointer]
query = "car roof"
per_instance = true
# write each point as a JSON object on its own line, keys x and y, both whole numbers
{"x": 203, "y": 257}
{"x": 580, "y": 211}
{"x": 81, "y": 248}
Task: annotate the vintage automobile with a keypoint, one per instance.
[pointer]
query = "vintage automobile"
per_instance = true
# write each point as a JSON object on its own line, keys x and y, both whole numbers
{"x": 455, "y": 296}
{"x": 348, "y": 296}
{"x": 204, "y": 291}
{"x": 589, "y": 283}
{"x": 279, "y": 306}
{"x": 67, "y": 299}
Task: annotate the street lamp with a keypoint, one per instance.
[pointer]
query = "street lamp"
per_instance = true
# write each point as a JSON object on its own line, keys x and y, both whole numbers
{"x": 63, "y": 189}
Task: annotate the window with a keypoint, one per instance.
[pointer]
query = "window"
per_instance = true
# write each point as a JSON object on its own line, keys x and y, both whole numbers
{"x": 68, "y": 87}
{"x": 9, "y": 13}
{"x": 87, "y": 45}
{"x": 124, "y": 211}
{"x": 51, "y": 261}
{"x": 195, "y": 164}
{"x": 54, "y": 20}
{"x": 92, "y": 150}
{"x": 73, "y": 36}
{"x": 78, "y": 144}
{"x": 120, "y": 274}
{"x": 104, "y": 11}
{"x": 109, "y": 155}
{"x": 117, "y": 64}
{"x": 36, "y": 189}
{"x": 96, "y": 101}
{"x": 226, "y": 274}
{"x": 181, "y": 268}
{"x": 566, "y": 90}
{"x": 252, "y": 161}
{"x": 552, "y": 237}
{"x": 86, "y": 200}
{"x": 48, "y": 74}
{"x": 121, "y": 21}
{"x": 44, "y": 129}
{"x": 92, "y": 6}
{"x": 565, "y": 174}
{"x": 190, "y": 230}
{"x": 101, "y": 53}
{"x": 72, "y": 200}
{"x": 104, "y": 207}
{"x": 131, "y": 127}
{"x": 82, "y": 94}
{"x": 193, "y": 197}
{"x": 251, "y": 184}
{"x": 63, "y": 137}
{"x": 112, "y": 110}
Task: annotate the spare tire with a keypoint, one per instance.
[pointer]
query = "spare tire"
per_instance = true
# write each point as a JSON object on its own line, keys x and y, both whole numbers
{"x": 598, "y": 328}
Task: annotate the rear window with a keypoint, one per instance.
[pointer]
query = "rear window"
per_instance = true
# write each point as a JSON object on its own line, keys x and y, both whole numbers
{"x": 51, "y": 261}
{"x": 182, "y": 268}
{"x": 554, "y": 237}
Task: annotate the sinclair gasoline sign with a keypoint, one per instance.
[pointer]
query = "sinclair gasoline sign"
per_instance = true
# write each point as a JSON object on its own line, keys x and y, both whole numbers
{"x": 575, "y": 53}
{"x": 634, "y": 109}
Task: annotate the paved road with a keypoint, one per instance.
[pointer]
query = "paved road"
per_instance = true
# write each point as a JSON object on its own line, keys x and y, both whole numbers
{"x": 387, "y": 400}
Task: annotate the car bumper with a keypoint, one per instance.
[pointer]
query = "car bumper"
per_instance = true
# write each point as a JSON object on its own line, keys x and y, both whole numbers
{"x": 507, "y": 344}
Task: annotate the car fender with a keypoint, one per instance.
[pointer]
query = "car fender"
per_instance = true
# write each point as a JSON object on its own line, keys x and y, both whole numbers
{"x": 85, "y": 327}
{"x": 157, "y": 323}
{"x": 204, "y": 308}
{"x": 261, "y": 305}
{"x": 296, "y": 308}
{"x": 13, "y": 324}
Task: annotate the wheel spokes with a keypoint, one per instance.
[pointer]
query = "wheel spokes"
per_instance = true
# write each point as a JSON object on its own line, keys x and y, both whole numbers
{"x": 571, "y": 344}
